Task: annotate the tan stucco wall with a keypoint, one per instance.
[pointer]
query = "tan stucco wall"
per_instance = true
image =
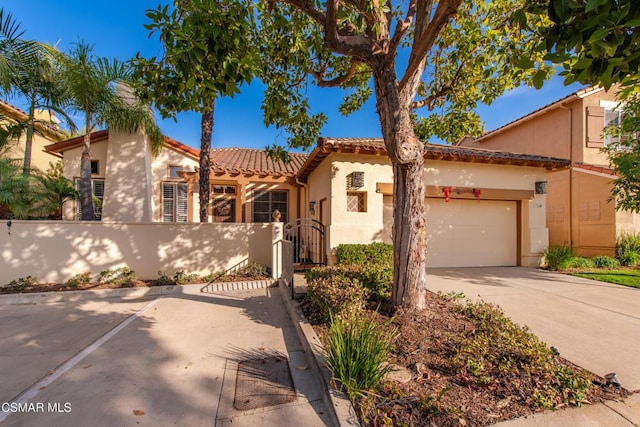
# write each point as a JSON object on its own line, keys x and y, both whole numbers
{"x": 160, "y": 173}
{"x": 558, "y": 208}
{"x": 128, "y": 185}
{"x": 594, "y": 219}
{"x": 366, "y": 227}
{"x": 54, "y": 251}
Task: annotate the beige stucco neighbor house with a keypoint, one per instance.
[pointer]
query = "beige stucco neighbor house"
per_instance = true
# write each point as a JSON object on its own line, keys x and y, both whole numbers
{"x": 476, "y": 199}
{"x": 577, "y": 212}
{"x": 47, "y": 133}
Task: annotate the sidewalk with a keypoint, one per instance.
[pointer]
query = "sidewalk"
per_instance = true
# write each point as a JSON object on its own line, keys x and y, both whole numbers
{"x": 174, "y": 362}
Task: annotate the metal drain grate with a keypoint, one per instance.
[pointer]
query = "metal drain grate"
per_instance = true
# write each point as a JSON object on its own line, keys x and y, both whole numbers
{"x": 262, "y": 382}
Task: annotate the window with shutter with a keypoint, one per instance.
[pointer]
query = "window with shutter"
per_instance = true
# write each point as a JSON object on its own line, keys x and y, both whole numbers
{"x": 97, "y": 187}
{"x": 175, "y": 202}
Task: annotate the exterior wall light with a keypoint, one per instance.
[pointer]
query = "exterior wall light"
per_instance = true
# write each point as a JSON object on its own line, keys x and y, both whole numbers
{"x": 541, "y": 187}
{"x": 312, "y": 207}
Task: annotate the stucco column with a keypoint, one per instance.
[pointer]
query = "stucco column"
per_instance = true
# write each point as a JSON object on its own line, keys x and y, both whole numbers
{"x": 276, "y": 249}
{"x": 127, "y": 192}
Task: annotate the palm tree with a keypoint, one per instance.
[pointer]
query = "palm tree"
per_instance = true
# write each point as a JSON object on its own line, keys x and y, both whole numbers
{"x": 92, "y": 85}
{"x": 53, "y": 191}
{"x": 35, "y": 78}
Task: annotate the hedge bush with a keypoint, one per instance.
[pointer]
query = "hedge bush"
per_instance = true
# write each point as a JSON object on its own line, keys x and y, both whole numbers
{"x": 628, "y": 249}
{"x": 361, "y": 254}
{"x": 332, "y": 291}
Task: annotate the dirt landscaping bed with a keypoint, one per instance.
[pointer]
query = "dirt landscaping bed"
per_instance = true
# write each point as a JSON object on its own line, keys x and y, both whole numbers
{"x": 444, "y": 389}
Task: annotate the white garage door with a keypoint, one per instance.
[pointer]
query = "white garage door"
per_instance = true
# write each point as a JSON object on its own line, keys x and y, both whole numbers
{"x": 471, "y": 233}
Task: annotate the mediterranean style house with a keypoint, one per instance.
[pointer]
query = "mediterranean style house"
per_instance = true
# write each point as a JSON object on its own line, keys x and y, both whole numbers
{"x": 476, "y": 198}
{"x": 46, "y": 133}
{"x": 578, "y": 211}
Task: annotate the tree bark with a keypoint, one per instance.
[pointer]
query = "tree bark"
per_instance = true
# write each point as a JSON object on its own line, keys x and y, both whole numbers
{"x": 86, "y": 193}
{"x": 406, "y": 152}
{"x": 28, "y": 144}
{"x": 205, "y": 160}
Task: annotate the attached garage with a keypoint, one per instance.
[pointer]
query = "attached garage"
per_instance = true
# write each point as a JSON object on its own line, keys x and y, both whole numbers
{"x": 484, "y": 208}
{"x": 467, "y": 233}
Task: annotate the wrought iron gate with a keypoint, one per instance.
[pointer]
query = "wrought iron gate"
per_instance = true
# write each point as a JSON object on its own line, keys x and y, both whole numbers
{"x": 309, "y": 245}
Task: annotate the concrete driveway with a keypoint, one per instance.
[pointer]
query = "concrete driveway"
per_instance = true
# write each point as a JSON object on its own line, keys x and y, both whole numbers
{"x": 162, "y": 361}
{"x": 594, "y": 324}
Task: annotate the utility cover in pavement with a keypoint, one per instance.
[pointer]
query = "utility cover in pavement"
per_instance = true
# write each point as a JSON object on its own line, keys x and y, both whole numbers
{"x": 263, "y": 382}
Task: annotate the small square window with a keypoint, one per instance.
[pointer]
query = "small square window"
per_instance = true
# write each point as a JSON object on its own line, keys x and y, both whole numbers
{"x": 173, "y": 171}
{"x": 356, "y": 202}
{"x": 94, "y": 167}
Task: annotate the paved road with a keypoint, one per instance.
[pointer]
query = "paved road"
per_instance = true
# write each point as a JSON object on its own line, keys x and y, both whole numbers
{"x": 165, "y": 361}
{"x": 595, "y": 325}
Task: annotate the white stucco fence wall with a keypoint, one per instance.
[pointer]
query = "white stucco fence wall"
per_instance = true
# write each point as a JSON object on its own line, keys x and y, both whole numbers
{"x": 54, "y": 251}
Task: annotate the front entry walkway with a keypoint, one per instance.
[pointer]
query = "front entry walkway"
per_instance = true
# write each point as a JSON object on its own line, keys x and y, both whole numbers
{"x": 593, "y": 324}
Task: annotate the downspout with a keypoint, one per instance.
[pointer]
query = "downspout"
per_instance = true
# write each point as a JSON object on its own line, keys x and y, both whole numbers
{"x": 306, "y": 196}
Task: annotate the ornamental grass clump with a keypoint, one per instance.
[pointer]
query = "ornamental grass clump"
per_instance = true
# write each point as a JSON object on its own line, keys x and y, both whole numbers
{"x": 555, "y": 256}
{"x": 628, "y": 249}
{"x": 357, "y": 352}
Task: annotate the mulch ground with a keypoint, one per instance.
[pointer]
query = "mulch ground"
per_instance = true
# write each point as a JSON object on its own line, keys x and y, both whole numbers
{"x": 438, "y": 395}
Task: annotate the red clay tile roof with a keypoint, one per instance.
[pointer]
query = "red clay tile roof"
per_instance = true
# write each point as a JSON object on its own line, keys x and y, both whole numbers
{"x": 594, "y": 168}
{"x": 182, "y": 147}
{"x": 254, "y": 162}
{"x": 60, "y": 147}
{"x": 14, "y": 112}
{"x": 432, "y": 151}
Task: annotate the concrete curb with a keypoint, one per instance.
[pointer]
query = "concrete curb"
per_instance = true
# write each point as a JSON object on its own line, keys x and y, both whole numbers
{"x": 342, "y": 412}
{"x": 131, "y": 293}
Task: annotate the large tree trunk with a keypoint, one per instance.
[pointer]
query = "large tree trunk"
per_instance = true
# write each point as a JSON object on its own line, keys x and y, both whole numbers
{"x": 205, "y": 160}
{"x": 86, "y": 193}
{"x": 407, "y": 156}
{"x": 28, "y": 144}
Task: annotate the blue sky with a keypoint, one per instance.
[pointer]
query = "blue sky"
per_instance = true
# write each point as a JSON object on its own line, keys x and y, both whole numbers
{"x": 115, "y": 27}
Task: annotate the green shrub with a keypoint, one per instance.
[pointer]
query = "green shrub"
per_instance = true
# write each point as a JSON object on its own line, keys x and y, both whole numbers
{"x": 357, "y": 349}
{"x": 376, "y": 278}
{"x": 330, "y": 293}
{"x": 577, "y": 262}
{"x": 122, "y": 276}
{"x": 556, "y": 255}
{"x": 498, "y": 349}
{"x": 360, "y": 254}
{"x": 78, "y": 279}
{"x": 627, "y": 242}
{"x": 254, "y": 270}
{"x": 22, "y": 283}
{"x": 604, "y": 261}
{"x": 630, "y": 258}
{"x": 628, "y": 249}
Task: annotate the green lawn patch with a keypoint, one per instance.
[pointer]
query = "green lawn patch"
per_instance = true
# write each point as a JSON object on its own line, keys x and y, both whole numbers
{"x": 619, "y": 277}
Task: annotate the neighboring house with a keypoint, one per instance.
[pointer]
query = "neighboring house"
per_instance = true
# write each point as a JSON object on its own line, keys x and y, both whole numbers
{"x": 46, "y": 133}
{"x": 475, "y": 198}
{"x": 131, "y": 183}
{"x": 578, "y": 211}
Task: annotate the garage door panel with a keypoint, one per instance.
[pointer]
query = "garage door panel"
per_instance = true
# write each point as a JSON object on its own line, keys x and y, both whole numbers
{"x": 464, "y": 233}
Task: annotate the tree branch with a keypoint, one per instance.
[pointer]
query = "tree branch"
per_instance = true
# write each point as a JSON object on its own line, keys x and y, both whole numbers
{"x": 402, "y": 27}
{"x": 421, "y": 45}
{"x": 338, "y": 80}
{"x": 356, "y": 46}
